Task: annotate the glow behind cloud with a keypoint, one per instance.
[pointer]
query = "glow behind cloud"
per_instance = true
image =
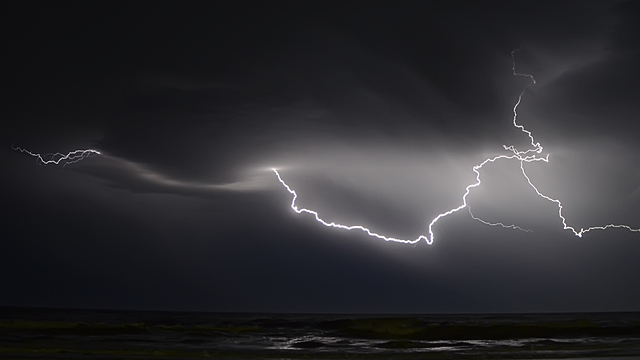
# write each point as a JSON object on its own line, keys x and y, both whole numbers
{"x": 529, "y": 155}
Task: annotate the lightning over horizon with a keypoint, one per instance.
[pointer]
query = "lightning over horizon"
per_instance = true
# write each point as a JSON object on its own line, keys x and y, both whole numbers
{"x": 526, "y": 156}
{"x": 361, "y": 159}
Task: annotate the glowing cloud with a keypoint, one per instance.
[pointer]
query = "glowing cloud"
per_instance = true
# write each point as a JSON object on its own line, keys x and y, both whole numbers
{"x": 526, "y": 156}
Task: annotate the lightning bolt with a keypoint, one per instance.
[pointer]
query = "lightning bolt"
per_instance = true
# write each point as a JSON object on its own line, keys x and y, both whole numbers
{"x": 339, "y": 226}
{"x": 57, "y": 158}
{"x": 526, "y": 156}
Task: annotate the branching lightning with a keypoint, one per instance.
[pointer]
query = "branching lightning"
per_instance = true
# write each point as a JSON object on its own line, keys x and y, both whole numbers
{"x": 57, "y": 158}
{"x": 526, "y": 156}
{"x": 530, "y": 155}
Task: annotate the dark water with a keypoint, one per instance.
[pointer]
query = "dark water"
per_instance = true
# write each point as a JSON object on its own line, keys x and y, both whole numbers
{"x": 97, "y": 334}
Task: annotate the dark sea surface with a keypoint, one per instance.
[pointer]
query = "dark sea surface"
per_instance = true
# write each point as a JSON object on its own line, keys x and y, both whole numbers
{"x": 99, "y": 334}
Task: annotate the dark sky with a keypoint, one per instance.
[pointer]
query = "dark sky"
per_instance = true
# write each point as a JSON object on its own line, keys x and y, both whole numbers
{"x": 374, "y": 113}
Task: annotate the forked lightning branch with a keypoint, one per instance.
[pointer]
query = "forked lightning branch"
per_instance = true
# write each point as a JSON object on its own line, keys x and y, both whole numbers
{"x": 59, "y": 158}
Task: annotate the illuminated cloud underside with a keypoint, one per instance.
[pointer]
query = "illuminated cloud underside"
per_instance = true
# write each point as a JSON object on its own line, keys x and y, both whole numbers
{"x": 529, "y": 155}
{"x": 137, "y": 171}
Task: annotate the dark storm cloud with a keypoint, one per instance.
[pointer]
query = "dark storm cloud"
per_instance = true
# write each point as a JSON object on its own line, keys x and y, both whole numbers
{"x": 374, "y": 113}
{"x": 348, "y": 76}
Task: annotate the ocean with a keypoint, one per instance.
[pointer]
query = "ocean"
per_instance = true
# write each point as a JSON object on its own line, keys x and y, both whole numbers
{"x": 29, "y": 333}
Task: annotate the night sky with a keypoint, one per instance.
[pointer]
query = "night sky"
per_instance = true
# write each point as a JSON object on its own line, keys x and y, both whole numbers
{"x": 374, "y": 113}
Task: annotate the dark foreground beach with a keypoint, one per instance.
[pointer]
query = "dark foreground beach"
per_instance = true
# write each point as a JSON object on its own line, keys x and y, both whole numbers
{"x": 98, "y": 334}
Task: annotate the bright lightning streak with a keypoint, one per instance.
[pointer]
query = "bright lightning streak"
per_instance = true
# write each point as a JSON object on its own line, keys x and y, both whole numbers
{"x": 56, "y": 158}
{"x": 345, "y": 227}
{"x": 522, "y": 156}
